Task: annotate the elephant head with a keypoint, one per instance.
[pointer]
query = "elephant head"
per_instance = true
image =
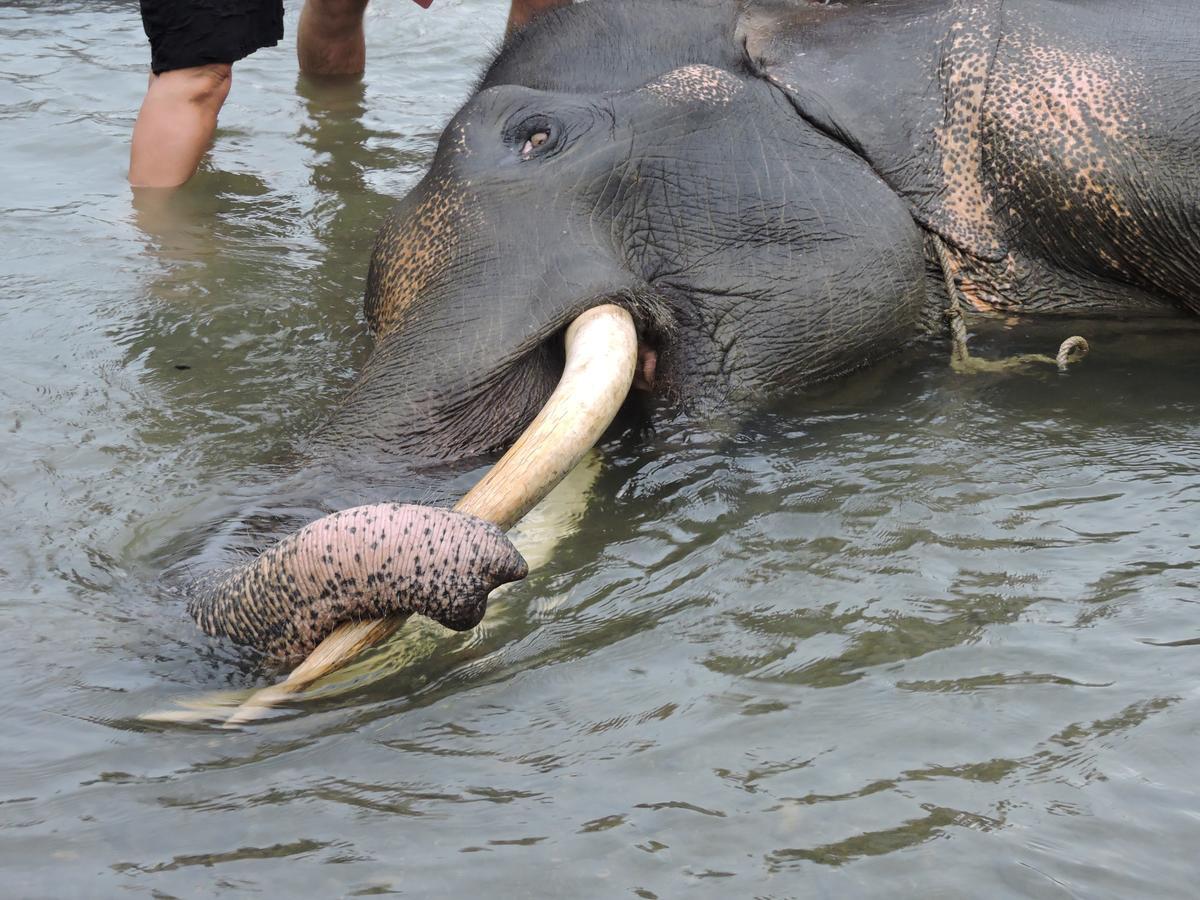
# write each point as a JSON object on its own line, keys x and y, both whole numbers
{"x": 754, "y": 253}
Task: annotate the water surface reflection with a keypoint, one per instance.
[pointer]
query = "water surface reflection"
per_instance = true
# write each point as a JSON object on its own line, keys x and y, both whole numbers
{"x": 908, "y": 633}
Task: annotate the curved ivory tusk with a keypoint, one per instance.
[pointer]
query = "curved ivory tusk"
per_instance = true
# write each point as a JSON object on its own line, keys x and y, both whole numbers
{"x": 602, "y": 355}
{"x": 601, "y": 358}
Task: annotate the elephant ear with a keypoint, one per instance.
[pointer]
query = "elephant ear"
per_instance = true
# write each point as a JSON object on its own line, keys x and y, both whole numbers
{"x": 903, "y": 86}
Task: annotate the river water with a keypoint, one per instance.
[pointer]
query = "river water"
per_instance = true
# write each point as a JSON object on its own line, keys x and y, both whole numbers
{"x": 907, "y": 634}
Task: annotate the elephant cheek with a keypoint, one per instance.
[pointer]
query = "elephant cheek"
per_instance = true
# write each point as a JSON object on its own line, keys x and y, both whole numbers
{"x": 413, "y": 251}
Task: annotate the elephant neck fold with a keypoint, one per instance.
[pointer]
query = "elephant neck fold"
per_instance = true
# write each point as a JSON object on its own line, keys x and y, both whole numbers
{"x": 903, "y": 85}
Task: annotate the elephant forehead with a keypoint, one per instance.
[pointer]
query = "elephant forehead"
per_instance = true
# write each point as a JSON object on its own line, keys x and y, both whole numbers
{"x": 689, "y": 84}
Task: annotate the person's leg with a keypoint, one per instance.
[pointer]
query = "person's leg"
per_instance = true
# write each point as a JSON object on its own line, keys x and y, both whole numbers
{"x": 176, "y": 124}
{"x": 330, "y": 38}
{"x": 522, "y": 12}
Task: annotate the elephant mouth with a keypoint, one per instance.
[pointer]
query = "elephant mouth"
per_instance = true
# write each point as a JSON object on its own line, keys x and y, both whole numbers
{"x": 646, "y": 372}
{"x": 603, "y": 356}
{"x": 655, "y": 327}
{"x": 615, "y": 346}
{"x": 510, "y": 397}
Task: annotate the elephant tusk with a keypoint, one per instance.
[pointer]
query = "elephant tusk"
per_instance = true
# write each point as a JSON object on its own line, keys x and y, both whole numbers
{"x": 602, "y": 353}
{"x": 601, "y": 358}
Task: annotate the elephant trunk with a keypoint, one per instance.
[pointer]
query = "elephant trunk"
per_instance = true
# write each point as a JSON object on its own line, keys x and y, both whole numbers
{"x": 368, "y": 562}
{"x": 357, "y": 574}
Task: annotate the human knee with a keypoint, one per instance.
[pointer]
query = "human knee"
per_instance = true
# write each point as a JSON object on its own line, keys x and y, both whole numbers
{"x": 205, "y": 86}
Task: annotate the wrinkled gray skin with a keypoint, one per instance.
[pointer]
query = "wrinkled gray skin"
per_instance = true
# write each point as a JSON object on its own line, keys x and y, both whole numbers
{"x": 761, "y": 185}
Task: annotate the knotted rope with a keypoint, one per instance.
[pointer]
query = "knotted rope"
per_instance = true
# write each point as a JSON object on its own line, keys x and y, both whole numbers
{"x": 1071, "y": 350}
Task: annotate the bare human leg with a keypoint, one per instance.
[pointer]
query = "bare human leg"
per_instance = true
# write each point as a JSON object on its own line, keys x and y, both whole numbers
{"x": 176, "y": 124}
{"x": 331, "y": 42}
{"x": 330, "y": 38}
{"x": 179, "y": 113}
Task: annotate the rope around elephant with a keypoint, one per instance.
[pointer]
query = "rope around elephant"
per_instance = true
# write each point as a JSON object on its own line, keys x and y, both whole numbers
{"x": 1070, "y": 350}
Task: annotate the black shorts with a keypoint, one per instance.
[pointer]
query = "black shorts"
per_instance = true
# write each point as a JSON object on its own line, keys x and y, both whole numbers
{"x": 186, "y": 33}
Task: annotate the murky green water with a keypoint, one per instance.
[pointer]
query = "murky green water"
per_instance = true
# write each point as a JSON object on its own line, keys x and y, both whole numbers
{"x": 901, "y": 637}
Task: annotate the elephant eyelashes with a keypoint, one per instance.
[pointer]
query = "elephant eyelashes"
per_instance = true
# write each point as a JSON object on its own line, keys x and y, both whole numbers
{"x": 534, "y": 141}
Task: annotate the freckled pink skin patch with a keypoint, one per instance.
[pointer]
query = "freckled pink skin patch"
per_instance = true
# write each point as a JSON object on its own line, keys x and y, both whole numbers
{"x": 362, "y": 563}
{"x": 1051, "y": 147}
{"x": 696, "y": 83}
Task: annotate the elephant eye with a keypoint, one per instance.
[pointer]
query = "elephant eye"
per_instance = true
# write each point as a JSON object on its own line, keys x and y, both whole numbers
{"x": 534, "y": 136}
{"x": 534, "y": 141}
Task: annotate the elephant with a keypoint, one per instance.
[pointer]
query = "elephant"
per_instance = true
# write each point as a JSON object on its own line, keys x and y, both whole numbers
{"x": 775, "y": 194}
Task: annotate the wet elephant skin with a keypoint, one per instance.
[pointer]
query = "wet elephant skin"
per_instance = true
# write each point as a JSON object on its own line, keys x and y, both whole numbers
{"x": 761, "y": 185}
